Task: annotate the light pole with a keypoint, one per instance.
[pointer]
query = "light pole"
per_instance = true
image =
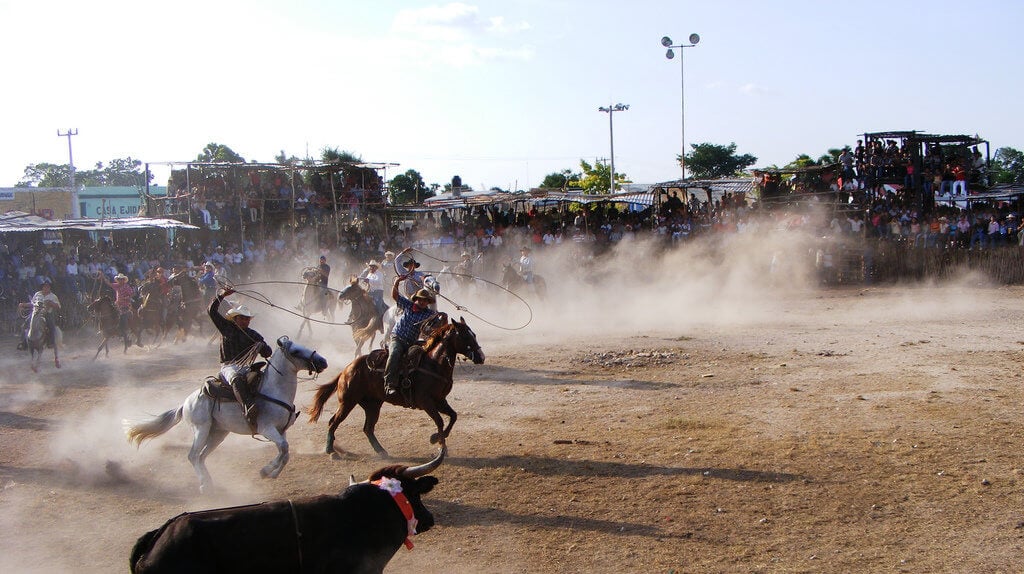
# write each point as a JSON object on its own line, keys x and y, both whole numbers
{"x": 76, "y": 211}
{"x": 667, "y": 42}
{"x": 610, "y": 110}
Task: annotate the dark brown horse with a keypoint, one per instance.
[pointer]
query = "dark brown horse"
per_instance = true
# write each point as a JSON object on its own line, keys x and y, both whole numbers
{"x": 513, "y": 281}
{"x": 108, "y": 321}
{"x": 154, "y": 316}
{"x": 362, "y": 383}
{"x": 191, "y": 310}
{"x": 364, "y": 319}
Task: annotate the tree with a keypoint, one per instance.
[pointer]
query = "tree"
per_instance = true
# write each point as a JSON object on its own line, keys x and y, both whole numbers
{"x": 803, "y": 160}
{"x": 1008, "y": 166}
{"x": 334, "y": 155}
{"x": 217, "y": 153}
{"x": 408, "y": 187}
{"x": 561, "y": 179}
{"x": 45, "y": 175}
{"x": 595, "y": 177}
{"x": 125, "y": 172}
{"x": 712, "y": 161}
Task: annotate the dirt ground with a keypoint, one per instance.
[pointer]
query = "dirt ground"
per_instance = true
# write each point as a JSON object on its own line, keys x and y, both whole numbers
{"x": 842, "y": 430}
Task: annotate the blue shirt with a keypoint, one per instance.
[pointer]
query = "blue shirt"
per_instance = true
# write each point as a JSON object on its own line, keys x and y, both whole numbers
{"x": 408, "y": 327}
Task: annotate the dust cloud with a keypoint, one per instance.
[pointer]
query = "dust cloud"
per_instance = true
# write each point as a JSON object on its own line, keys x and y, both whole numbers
{"x": 640, "y": 287}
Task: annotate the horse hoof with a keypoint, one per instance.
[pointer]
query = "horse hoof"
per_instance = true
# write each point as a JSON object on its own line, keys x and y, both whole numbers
{"x": 435, "y": 438}
{"x": 56, "y": 364}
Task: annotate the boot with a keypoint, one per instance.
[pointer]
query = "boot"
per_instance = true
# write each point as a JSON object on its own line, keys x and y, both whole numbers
{"x": 390, "y": 390}
{"x": 246, "y": 399}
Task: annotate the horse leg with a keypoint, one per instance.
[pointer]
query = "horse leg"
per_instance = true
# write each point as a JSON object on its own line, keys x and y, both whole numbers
{"x": 274, "y": 467}
{"x": 99, "y": 348}
{"x": 200, "y": 440}
{"x": 217, "y": 436}
{"x": 372, "y": 410}
{"x": 336, "y": 419}
{"x": 445, "y": 409}
{"x": 56, "y": 358}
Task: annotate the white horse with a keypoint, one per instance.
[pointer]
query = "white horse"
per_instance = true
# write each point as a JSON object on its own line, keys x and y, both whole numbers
{"x": 35, "y": 335}
{"x": 211, "y": 424}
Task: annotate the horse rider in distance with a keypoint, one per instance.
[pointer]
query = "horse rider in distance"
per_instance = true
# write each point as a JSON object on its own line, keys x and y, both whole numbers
{"x": 526, "y": 264}
{"x": 239, "y": 346}
{"x": 49, "y": 301}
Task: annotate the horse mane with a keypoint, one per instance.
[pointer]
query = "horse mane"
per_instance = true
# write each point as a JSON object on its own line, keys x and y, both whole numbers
{"x": 437, "y": 336}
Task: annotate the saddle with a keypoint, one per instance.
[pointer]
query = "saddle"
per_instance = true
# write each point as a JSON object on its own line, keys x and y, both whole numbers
{"x": 378, "y": 359}
{"x": 217, "y": 388}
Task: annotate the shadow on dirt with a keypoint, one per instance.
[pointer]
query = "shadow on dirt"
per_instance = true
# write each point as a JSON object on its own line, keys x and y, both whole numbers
{"x": 458, "y": 514}
{"x": 558, "y": 466}
{"x": 73, "y": 476}
{"x": 16, "y": 421}
{"x": 508, "y": 375}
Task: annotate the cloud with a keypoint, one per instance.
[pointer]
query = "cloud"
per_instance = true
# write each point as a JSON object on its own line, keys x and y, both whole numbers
{"x": 752, "y": 89}
{"x": 457, "y": 35}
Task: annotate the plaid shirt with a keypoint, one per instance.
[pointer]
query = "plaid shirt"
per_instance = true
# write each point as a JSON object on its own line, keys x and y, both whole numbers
{"x": 408, "y": 327}
{"x": 123, "y": 293}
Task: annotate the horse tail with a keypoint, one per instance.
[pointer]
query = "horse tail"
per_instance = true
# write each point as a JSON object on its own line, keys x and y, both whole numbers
{"x": 154, "y": 428}
{"x": 322, "y": 394}
{"x": 364, "y": 333}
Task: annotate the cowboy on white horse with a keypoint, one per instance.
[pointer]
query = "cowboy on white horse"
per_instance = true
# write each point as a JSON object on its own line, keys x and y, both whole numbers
{"x": 239, "y": 346}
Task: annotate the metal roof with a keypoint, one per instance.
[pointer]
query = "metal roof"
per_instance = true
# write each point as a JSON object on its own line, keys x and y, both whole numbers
{"x": 538, "y": 196}
{"x": 21, "y": 221}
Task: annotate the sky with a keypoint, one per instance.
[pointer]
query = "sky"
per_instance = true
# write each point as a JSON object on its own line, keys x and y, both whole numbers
{"x": 501, "y": 93}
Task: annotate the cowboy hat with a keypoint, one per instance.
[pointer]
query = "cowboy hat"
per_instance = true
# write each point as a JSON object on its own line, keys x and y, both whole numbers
{"x": 411, "y": 260}
{"x": 424, "y": 294}
{"x": 241, "y": 310}
{"x": 389, "y": 254}
{"x": 373, "y": 263}
{"x": 120, "y": 276}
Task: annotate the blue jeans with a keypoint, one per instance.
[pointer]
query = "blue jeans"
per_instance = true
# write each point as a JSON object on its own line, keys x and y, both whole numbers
{"x": 393, "y": 368}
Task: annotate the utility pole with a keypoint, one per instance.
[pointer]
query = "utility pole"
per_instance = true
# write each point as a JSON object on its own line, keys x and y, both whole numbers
{"x": 76, "y": 210}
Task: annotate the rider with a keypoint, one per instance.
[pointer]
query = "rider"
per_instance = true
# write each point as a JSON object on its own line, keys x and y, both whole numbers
{"x": 415, "y": 277}
{"x": 406, "y": 331}
{"x": 375, "y": 280}
{"x": 123, "y": 293}
{"x": 208, "y": 281}
{"x": 465, "y": 264}
{"x": 325, "y": 273}
{"x": 526, "y": 264}
{"x": 49, "y": 301}
{"x": 238, "y": 346}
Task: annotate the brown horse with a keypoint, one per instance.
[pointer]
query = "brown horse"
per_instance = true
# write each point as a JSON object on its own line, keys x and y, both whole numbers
{"x": 362, "y": 383}
{"x": 154, "y": 317}
{"x": 191, "y": 310}
{"x": 108, "y": 321}
{"x": 364, "y": 319}
{"x": 512, "y": 280}
{"x": 316, "y": 298}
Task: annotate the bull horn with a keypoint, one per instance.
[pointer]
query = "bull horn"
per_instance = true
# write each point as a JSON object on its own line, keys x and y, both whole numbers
{"x": 414, "y": 472}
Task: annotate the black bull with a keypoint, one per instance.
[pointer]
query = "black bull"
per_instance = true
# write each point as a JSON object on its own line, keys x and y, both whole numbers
{"x": 358, "y": 530}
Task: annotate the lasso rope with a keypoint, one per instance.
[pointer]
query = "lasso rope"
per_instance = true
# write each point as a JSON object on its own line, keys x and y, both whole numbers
{"x": 261, "y": 298}
{"x": 463, "y": 308}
